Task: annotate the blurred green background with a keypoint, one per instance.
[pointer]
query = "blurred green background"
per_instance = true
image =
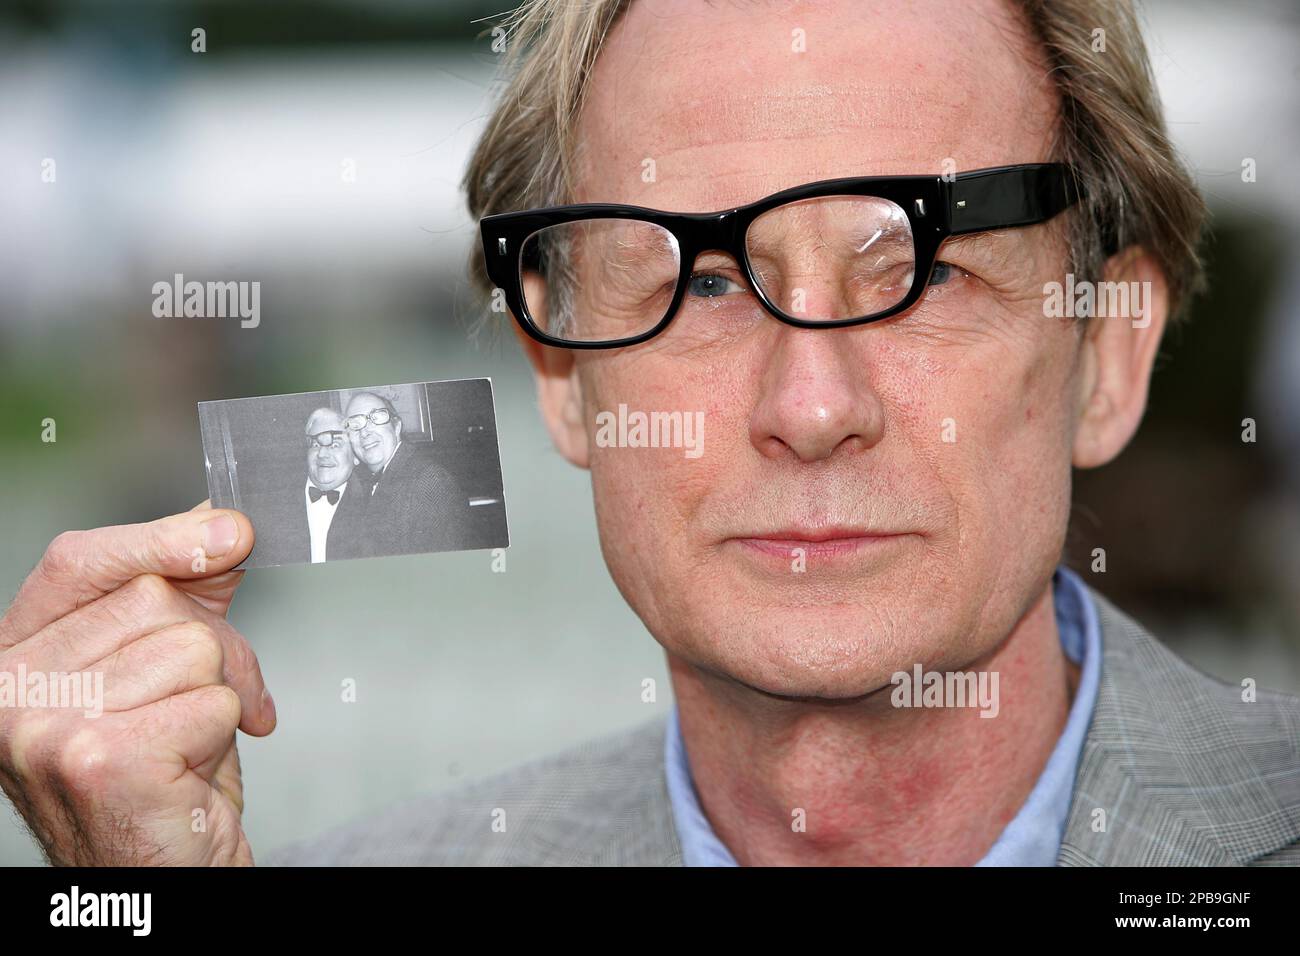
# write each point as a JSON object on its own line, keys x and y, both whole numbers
{"x": 227, "y": 165}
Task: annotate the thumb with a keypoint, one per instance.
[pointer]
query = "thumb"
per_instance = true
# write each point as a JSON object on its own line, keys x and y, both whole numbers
{"x": 82, "y": 566}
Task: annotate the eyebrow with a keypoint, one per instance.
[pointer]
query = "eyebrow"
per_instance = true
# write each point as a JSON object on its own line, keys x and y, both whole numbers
{"x": 990, "y": 244}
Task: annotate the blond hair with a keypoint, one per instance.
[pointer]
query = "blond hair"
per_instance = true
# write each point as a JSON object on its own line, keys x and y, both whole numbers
{"x": 1111, "y": 131}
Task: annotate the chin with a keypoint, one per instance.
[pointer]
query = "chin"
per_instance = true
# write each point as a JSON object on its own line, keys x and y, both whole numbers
{"x": 830, "y": 652}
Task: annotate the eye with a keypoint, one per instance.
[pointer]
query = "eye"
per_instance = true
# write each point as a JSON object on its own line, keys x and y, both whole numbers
{"x": 710, "y": 284}
{"x": 944, "y": 272}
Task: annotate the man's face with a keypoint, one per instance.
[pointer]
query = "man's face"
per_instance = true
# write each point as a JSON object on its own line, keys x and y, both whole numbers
{"x": 329, "y": 455}
{"x": 373, "y": 444}
{"x": 933, "y": 449}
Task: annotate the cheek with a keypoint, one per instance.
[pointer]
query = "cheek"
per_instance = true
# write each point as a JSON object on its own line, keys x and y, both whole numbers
{"x": 993, "y": 429}
{"x": 648, "y": 499}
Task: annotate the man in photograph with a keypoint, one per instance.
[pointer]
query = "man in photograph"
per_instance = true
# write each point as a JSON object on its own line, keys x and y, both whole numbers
{"x": 336, "y": 504}
{"x": 415, "y": 499}
{"x": 320, "y": 515}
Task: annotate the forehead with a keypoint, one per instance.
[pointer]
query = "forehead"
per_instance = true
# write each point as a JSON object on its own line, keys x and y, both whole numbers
{"x": 716, "y": 106}
{"x": 322, "y": 421}
{"x": 364, "y": 403}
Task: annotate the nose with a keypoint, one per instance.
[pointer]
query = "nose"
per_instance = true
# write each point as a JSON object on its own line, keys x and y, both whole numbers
{"x": 817, "y": 292}
{"x": 815, "y": 398}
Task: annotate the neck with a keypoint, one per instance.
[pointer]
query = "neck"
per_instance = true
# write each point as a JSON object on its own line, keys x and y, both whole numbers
{"x": 878, "y": 785}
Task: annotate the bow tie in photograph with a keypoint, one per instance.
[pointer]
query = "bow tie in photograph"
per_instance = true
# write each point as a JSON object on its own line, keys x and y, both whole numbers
{"x": 315, "y": 494}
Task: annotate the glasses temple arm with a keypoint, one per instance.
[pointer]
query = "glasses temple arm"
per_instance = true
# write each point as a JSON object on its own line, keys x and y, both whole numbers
{"x": 1009, "y": 196}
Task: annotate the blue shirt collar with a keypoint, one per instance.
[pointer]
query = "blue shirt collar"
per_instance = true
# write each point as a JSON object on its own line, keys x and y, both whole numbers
{"x": 1033, "y": 837}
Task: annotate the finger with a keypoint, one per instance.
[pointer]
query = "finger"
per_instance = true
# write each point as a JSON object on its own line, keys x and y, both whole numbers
{"x": 96, "y": 630}
{"x": 214, "y": 592}
{"x": 242, "y": 672}
{"x": 80, "y": 566}
{"x": 167, "y": 662}
{"x": 189, "y": 731}
{"x": 88, "y": 639}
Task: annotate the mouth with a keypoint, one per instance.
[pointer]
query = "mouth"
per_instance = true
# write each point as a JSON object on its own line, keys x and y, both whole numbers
{"x": 819, "y": 544}
{"x": 367, "y": 445}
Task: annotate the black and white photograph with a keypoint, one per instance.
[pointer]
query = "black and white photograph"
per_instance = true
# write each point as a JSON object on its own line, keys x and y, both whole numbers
{"x": 359, "y": 472}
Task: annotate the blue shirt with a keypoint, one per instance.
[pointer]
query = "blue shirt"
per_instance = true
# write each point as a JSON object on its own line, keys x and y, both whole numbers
{"x": 1033, "y": 837}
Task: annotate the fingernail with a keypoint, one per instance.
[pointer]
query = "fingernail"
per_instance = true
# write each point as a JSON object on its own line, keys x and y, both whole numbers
{"x": 268, "y": 706}
{"x": 219, "y": 536}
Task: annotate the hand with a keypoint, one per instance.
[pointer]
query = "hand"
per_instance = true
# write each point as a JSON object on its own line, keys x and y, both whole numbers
{"x": 155, "y": 778}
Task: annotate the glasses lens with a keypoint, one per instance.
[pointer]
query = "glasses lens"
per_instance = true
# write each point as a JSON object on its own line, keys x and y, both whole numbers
{"x": 325, "y": 440}
{"x": 833, "y": 257}
{"x": 378, "y": 416}
{"x": 602, "y": 279}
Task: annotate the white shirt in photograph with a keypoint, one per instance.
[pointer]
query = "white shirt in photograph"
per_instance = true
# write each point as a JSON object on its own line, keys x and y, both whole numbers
{"x": 320, "y": 514}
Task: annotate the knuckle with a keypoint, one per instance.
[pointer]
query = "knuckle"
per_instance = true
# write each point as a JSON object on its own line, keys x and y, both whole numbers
{"x": 144, "y": 595}
{"x": 201, "y": 646}
{"x": 85, "y": 762}
{"x": 27, "y": 745}
{"x": 225, "y": 708}
{"x": 65, "y": 557}
{"x": 214, "y": 709}
{"x": 234, "y": 712}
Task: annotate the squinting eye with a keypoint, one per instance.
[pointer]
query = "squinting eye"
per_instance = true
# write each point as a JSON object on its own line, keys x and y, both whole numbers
{"x": 710, "y": 284}
{"x": 943, "y": 271}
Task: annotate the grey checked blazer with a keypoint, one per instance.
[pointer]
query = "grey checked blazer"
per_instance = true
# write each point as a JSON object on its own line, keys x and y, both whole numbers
{"x": 1187, "y": 773}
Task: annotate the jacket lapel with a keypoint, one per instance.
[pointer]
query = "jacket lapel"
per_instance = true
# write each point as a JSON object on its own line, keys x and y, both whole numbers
{"x": 1169, "y": 773}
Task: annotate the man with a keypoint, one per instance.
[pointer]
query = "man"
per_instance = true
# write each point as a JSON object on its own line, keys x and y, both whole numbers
{"x": 893, "y": 418}
{"x": 335, "y": 503}
{"x": 324, "y": 517}
{"x": 415, "y": 499}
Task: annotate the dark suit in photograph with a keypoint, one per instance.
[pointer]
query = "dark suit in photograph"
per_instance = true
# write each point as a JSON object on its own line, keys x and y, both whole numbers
{"x": 287, "y": 537}
{"x": 418, "y": 503}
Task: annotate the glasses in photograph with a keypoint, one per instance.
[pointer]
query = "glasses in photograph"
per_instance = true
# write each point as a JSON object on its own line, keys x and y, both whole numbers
{"x": 376, "y": 416}
{"x": 332, "y": 439}
{"x": 829, "y": 254}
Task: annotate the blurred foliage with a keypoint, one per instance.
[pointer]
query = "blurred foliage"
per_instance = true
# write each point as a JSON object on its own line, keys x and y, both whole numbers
{"x": 1204, "y": 374}
{"x": 1179, "y": 512}
{"x": 235, "y": 26}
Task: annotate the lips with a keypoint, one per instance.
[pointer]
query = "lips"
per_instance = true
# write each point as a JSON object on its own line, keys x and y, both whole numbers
{"x": 819, "y": 543}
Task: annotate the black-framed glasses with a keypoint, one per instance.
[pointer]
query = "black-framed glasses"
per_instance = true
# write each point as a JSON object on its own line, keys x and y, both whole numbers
{"x": 376, "y": 416}
{"x": 824, "y": 255}
{"x": 328, "y": 439}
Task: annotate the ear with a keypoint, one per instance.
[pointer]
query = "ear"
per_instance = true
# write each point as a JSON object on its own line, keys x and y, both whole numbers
{"x": 1118, "y": 354}
{"x": 559, "y": 391}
